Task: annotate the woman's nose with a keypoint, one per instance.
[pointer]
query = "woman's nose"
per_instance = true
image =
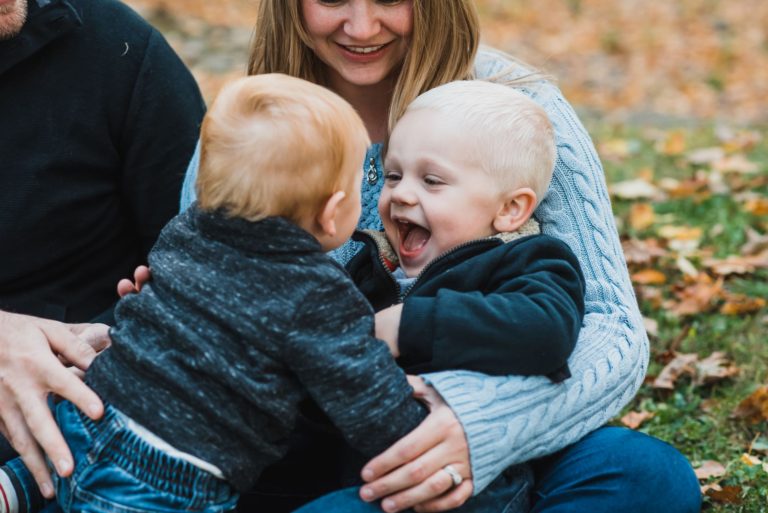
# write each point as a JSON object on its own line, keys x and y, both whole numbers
{"x": 362, "y": 23}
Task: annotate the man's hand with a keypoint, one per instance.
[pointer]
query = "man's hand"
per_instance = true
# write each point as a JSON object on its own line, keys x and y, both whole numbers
{"x": 388, "y": 327}
{"x": 30, "y": 369}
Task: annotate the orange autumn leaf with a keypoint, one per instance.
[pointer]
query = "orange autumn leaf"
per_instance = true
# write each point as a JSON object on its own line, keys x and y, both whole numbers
{"x": 641, "y": 216}
{"x": 680, "y": 232}
{"x": 673, "y": 144}
{"x": 649, "y": 277}
{"x": 740, "y": 304}
{"x": 698, "y": 296}
{"x": 754, "y": 408}
{"x": 635, "y": 419}
{"x": 708, "y": 469}
{"x": 736, "y": 163}
{"x": 757, "y": 206}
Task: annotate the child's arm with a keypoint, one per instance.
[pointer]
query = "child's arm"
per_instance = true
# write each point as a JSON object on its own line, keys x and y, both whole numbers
{"x": 524, "y": 321}
{"x": 351, "y": 375}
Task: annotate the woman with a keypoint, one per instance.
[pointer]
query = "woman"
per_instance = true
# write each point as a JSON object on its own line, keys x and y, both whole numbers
{"x": 379, "y": 55}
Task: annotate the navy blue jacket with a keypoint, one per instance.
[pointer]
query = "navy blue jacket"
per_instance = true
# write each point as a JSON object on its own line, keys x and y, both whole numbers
{"x": 490, "y": 306}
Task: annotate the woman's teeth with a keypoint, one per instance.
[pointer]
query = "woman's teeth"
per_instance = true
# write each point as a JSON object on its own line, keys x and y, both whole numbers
{"x": 364, "y": 49}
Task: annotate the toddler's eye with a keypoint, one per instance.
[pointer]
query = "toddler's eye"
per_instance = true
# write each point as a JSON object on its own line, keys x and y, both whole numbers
{"x": 391, "y": 177}
{"x": 431, "y": 180}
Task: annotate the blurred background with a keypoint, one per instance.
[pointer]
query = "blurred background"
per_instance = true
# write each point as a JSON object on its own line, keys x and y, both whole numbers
{"x": 672, "y": 61}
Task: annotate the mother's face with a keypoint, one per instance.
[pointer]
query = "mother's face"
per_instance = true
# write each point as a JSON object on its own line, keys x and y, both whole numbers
{"x": 361, "y": 41}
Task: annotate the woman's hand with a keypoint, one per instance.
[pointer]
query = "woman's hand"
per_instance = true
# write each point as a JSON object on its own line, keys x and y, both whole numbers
{"x": 410, "y": 473}
{"x": 141, "y": 276}
{"x": 31, "y": 355}
{"x": 388, "y": 327}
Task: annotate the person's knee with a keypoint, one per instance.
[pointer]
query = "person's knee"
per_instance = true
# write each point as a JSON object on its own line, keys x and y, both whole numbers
{"x": 654, "y": 472}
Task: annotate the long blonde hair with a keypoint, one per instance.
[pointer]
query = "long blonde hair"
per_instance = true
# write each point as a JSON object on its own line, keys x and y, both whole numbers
{"x": 444, "y": 42}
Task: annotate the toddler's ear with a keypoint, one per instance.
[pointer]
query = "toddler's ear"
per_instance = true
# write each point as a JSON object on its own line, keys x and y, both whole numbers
{"x": 326, "y": 219}
{"x": 517, "y": 208}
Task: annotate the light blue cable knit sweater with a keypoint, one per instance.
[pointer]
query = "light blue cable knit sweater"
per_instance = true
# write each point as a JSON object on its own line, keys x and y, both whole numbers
{"x": 513, "y": 419}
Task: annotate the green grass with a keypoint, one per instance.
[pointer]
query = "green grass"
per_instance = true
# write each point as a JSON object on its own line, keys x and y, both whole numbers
{"x": 698, "y": 420}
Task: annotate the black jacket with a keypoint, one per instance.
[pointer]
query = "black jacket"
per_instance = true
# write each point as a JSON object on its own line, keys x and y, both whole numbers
{"x": 220, "y": 364}
{"x": 490, "y": 306}
{"x": 98, "y": 119}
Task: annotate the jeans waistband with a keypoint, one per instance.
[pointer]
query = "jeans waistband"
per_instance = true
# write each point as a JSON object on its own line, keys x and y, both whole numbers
{"x": 112, "y": 440}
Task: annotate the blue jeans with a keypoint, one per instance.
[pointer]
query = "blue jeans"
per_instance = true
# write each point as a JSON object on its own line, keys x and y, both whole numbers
{"x": 610, "y": 470}
{"x": 116, "y": 471}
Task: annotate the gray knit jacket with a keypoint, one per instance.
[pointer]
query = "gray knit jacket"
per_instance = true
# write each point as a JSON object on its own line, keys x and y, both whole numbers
{"x": 241, "y": 323}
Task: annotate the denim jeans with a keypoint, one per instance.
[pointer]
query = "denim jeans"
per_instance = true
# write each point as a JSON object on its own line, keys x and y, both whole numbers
{"x": 610, "y": 470}
{"x": 116, "y": 471}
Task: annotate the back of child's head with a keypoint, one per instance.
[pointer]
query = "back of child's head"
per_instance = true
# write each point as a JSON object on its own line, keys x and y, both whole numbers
{"x": 274, "y": 145}
{"x": 511, "y": 135}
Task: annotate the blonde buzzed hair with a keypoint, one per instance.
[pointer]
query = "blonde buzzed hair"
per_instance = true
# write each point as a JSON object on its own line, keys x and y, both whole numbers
{"x": 274, "y": 145}
{"x": 512, "y": 136}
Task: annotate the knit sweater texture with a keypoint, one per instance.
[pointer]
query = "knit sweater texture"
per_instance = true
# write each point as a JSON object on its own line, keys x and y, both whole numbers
{"x": 512, "y": 419}
{"x": 220, "y": 364}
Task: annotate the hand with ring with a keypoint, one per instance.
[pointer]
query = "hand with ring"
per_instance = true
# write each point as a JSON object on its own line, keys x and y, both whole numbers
{"x": 428, "y": 469}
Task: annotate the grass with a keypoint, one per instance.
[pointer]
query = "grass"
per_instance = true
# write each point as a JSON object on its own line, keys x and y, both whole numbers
{"x": 698, "y": 420}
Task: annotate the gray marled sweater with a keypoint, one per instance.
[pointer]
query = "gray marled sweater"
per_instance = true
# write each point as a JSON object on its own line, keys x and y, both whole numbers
{"x": 243, "y": 321}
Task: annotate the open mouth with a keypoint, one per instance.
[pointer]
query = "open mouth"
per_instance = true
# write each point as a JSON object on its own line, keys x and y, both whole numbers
{"x": 413, "y": 238}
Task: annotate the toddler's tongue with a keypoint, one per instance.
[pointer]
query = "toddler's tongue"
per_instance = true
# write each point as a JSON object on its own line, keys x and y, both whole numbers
{"x": 416, "y": 238}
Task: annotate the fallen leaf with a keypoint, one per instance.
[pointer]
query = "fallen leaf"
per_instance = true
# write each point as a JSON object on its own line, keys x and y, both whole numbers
{"x": 641, "y": 216}
{"x": 681, "y": 365}
{"x": 737, "y": 163}
{"x": 757, "y": 206}
{"x": 638, "y": 251}
{"x": 673, "y": 144}
{"x": 649, "y": 277}
{"x": 708, "y": 469}
{"x": 740, "y": 304}
{"x": 754, "y": 408}
{"x": 696, "y": 297}
{"x": 680, "y": 232}
{"x": 651, "y": 326}
{"x": 635, "y": 419}
{"x": 715, "y": 367}
{"x": 755, "y": 242}
{"x": 705, "y": 155}
{"x": 686, "y": 267}
{"x": 711, "y": 486}
{"x": 635, "y": 189}
{"x": 727, "y": 494}
{"x": 750, "y": 460}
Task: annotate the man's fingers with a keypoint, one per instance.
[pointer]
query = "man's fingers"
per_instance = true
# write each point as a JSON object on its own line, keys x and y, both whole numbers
{"x": 66, "y": 384}
{"x": 21, "y": 440}
{"x": 408, "y": 448}
{"x": 66, "y": 344}
{"x": 450, "y": 500}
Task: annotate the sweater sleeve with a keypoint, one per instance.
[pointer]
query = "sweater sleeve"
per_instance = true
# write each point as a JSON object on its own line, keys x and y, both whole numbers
{"x": 509, "y": 420}
{"x": 351, "y": 375}
{"x": 524, "y": 320}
